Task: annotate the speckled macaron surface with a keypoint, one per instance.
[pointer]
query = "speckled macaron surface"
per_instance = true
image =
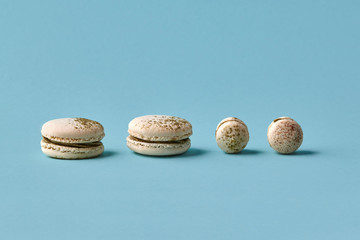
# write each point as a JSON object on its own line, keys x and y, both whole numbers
{"x": 232, "y": 135}
{"x": 285, "y": 135}
{"x": 72, "y": 138}
{"x": 159, "y": 135}
{"x": 160, "y": 128}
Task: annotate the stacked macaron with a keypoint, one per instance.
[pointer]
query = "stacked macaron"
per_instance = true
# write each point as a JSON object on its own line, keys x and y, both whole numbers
{"x": 72, "y": 138}
{"x": 159, "y": 135}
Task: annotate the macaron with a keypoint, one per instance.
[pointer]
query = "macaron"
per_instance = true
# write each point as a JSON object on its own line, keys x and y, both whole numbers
{"x": 285, "y": 135}
{"x": 232, "y": 135}
{"x": 72, "y": 138}
{"x": 159, "y": 135}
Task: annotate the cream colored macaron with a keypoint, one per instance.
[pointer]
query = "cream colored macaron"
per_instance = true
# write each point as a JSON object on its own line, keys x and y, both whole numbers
{"x": 285, "y": 135}
{"x": 232, "y": 135}
{"x": 159, "y": 135}
{"x": 72, "y": 138}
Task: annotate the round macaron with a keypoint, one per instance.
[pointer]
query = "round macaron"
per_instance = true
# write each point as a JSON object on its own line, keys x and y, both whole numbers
{"x": 285, "y": 135}
{"x": 72, "y": 138}
{"x": 232, "y": 135}
{"x": 159, "y": 135}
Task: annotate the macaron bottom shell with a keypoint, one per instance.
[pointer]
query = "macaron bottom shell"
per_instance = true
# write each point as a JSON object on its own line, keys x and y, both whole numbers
{"x": 66, "y": 152}
{"x": 158, "y": 148}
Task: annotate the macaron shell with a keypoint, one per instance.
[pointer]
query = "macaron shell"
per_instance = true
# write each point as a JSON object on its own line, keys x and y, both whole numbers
{"x": 232, "y": 135}
{"x": 65, "y": 152}
{"x": 160, "y": 128}
{"x": 228, "y": 120}
{"x": 73, "y": 130}
{"x": 158, "y": 148}
{"x": 285, "y": 135}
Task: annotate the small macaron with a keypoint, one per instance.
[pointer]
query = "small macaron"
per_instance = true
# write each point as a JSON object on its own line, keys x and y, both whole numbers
{"x": 159, "y": 135}
{"x": 72, "y": 138}
{"x": 285, "y": 135}
{"x": 232, "y": 135}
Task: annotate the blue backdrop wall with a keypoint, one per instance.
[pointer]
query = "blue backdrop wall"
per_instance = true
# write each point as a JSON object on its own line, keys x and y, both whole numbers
{"x": 111, "y": 61}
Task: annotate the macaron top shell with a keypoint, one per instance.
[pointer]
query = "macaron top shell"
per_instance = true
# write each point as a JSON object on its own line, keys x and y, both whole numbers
{"x": 160, "y": 128}
{"x": 229, "y": 119}
{"x": 73, "y": 130}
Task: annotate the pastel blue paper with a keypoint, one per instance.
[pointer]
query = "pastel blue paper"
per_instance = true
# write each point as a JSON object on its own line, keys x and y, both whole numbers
{"x": 112, "y": 61}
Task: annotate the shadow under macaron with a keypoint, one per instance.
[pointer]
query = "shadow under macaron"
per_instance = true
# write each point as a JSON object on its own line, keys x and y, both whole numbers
{"x": 301, "y": 153}
{"x": 245, "y": 152}
{"x": 105, "y": 154}
{"x": 250, "y": 152}
{"x": 193, "y": 152}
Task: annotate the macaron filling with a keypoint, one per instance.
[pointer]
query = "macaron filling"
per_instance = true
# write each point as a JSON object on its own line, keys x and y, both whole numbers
{"x": 158, "y": 142}
{"x": 75, "y": 145}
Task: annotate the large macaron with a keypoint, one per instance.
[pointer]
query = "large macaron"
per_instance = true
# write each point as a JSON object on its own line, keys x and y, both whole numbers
{"x": 72, "y": 138}
{"x": 159, "y": 135}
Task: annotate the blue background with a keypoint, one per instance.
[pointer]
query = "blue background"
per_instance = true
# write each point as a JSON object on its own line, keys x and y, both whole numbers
{"x": 112, "y": 61}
